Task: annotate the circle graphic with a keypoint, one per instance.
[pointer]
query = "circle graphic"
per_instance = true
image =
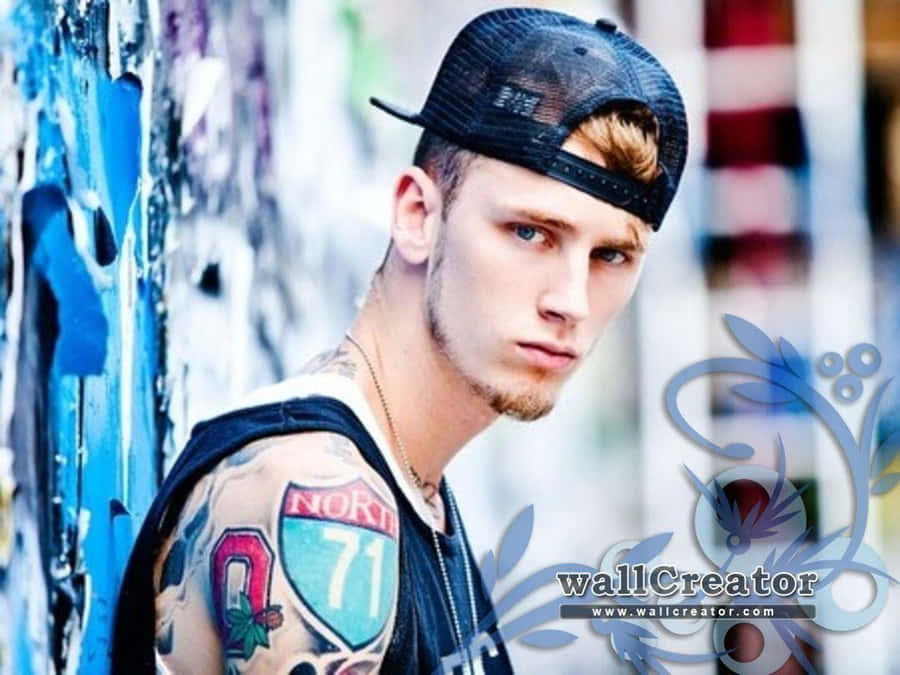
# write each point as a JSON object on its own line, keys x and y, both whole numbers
{"x": 847, "y": 388}
{"x": 830, "y": 364}
{"x": 770, "y": 655}
{"x": 829, "y": 614}
{"x": 857, "y": 363}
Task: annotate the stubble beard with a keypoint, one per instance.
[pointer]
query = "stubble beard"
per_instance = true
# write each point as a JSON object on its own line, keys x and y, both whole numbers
{"x": 526, "y": 406}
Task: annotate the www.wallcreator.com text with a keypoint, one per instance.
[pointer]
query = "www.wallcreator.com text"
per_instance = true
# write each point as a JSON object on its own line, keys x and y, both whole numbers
{"x": 687, "y": 612}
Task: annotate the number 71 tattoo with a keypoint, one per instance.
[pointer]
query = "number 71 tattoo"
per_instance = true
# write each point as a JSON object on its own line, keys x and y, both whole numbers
{"x": 339, "y": 550}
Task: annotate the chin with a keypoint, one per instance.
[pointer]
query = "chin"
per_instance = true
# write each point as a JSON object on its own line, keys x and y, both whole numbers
{"x": 524, "y": 404}
{"x": 522, "y": 409}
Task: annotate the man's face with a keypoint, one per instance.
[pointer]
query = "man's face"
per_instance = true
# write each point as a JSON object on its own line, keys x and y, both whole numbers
{"x": 525, "y": 275}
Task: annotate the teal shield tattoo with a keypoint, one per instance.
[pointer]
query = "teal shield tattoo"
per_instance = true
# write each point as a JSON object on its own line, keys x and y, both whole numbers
{"x": 339, "y": 551}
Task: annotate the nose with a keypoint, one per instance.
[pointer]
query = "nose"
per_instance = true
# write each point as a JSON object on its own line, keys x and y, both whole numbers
{"x": 566, "y": 298}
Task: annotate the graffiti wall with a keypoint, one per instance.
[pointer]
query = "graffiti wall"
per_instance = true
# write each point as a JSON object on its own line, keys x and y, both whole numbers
{"x": 143, "y": 271}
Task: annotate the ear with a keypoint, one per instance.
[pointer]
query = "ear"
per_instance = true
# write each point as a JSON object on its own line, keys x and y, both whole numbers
{"x": 416, "y": 216}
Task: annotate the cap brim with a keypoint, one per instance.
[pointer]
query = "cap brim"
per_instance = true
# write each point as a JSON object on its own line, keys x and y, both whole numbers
{"x": 396, "y": 111}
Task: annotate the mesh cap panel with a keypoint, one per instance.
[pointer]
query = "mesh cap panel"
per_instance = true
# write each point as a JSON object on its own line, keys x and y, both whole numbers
{"x": 515, "y": 83}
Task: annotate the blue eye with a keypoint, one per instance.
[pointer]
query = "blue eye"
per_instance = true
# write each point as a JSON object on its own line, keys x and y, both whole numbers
{"x": 526, "y": 232}
{"x": 609, "y": 255}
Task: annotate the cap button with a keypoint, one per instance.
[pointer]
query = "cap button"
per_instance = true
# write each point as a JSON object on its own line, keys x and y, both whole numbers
{"x": 606, "y": 25}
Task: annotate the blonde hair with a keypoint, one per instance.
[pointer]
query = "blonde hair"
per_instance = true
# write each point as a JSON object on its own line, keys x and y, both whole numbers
{"x": 625, "y": 138}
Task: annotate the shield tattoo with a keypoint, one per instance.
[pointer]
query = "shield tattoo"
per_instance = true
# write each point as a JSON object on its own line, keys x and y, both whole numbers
{"x": 339, "y": 552}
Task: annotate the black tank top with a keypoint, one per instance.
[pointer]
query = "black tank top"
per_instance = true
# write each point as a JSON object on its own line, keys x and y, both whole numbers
{"x": 423, "y": 629}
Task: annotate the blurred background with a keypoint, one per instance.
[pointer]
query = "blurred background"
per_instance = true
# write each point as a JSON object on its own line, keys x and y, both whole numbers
{"x": 194, "y": 195}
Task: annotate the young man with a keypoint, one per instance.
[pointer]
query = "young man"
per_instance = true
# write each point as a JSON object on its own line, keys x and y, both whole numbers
{"x": 310, "y": 531}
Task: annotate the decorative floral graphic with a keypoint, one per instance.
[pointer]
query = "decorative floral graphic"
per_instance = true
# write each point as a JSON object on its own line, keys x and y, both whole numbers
{"x": 779, "y": 515}
{"x": 767, "y": 528}
{"x": 628, "y": 639}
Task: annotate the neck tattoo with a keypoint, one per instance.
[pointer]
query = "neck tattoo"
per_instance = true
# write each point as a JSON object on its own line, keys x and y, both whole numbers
{"x": 454, "y": 518}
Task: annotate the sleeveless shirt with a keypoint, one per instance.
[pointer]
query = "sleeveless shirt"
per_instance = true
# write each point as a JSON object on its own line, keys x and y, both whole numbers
{"x": 423, "y": 631}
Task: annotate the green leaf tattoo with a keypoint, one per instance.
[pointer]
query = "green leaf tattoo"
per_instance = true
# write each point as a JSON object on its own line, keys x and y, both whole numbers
{"x": 235, "y": 616}
{"x": 247, "y": 629}
{"x": 249, "y": 645}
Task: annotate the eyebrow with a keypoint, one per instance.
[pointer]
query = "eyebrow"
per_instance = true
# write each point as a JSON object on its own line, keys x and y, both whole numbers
{"x": 630, "y": 243}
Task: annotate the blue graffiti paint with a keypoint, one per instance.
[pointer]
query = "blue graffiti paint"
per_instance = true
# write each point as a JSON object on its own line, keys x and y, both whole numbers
{"x": 118, "y": 108}
{"x": 88, "y": 161}
{"x": 81, "y": 346}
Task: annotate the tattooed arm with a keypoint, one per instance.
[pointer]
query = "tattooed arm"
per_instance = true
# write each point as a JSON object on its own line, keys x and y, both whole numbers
{"x": 284, "y": 560}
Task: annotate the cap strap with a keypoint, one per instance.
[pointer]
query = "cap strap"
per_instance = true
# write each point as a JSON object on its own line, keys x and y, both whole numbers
{"x": 641, "y": 199}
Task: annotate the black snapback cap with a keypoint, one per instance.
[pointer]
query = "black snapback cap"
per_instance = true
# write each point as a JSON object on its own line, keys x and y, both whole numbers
{"x": 516, "y": 82}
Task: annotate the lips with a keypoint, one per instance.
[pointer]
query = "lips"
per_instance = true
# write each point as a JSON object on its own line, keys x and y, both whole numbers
{"x": 547, "y": 355}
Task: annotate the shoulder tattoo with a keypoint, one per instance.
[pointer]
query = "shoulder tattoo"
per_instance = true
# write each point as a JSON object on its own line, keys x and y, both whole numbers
{"x": 244, "y": 613}
{"x": 338, "y": 547}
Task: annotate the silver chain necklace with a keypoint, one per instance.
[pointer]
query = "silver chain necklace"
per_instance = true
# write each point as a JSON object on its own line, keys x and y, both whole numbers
{"x": 454, "y": 517}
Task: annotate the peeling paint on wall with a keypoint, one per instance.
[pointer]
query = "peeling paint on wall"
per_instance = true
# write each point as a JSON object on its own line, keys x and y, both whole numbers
{"x": 72, "y": 208}
{"x": 160, "y": 254}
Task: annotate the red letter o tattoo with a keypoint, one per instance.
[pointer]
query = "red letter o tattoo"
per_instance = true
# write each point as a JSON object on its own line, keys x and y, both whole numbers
{"x": 248, "y": 548}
